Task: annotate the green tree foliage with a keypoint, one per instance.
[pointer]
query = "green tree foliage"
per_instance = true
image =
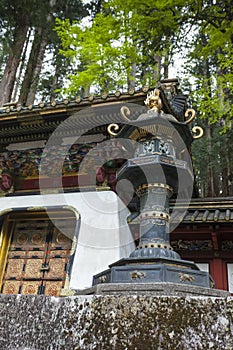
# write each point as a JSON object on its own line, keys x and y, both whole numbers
{"x": 213, "y": 43}
{"x": 210, "y": 68}
{"x": 119, "y": 46}
{"x": 57, "y": 66}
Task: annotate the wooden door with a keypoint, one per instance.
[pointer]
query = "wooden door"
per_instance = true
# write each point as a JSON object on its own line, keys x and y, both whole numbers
{"x": 37, "y": 259}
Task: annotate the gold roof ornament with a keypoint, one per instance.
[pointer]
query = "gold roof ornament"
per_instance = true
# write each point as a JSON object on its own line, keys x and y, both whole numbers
{"x": 153, "y": 100}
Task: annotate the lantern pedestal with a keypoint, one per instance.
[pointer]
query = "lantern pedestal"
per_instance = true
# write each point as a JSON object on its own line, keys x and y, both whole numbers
{"x": 154, "y": 270}
{"x": 153, "y": 289}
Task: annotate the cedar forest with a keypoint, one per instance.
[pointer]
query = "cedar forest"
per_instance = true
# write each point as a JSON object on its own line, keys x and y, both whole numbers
{"x": 52, "y": 49}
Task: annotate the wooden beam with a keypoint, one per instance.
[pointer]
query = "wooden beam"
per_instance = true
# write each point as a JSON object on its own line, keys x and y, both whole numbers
{"x": 214, "y": 237}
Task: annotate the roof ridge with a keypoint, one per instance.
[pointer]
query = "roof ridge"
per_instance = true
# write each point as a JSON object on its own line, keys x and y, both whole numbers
{"x": 91, "y": 98}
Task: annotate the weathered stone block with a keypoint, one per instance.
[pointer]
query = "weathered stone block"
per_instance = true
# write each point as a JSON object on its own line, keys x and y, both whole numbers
{"x": 115, "y": 322}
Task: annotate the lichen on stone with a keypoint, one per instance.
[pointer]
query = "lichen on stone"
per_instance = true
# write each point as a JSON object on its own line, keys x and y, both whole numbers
{"x": 117, "y": 322}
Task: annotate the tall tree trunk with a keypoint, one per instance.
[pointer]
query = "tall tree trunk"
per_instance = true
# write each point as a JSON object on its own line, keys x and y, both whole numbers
{"x": 210, "y": 170}
{"x": 132, "y": 76}
{"x": 54, "y": 84}
{"x": 34, "y": 66}
{"x": 31, "y": 66}
{"x": 230, "y": 184}
{"x": 22, "y": 67}
{"x": 13, "y": 61}
{"x": 157, "y": 71}
{"x": 224, "y": 173}
{"x": 31, "y": 77}
{"x": 36, "y": 73}
{"x": 166, "y": 65}
{"x": 85, "y": 92}
{"x": 226, "y": 164}
{"x": 211, "y": 158}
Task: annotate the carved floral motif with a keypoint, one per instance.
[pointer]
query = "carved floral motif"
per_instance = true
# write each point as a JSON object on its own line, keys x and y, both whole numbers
{"x": 23, "y": 164}
{"x": 192, "y": 245}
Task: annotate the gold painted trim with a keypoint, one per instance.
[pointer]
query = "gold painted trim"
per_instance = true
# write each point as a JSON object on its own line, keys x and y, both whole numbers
{"x": 47, "y": 191}
{"x": 154, "y": 215}
{"x": 73, "y": 209}
{"x": 155, "y": 245}
{"x": 138, "y": 134}
{"x": 74, "y": 245}
{"x": 190, "y": 113}
{"x": 156, "y": 263}
{"x": 67, "y": 207}
{"x": 203, "y": 206}
{"x": 9, "y": 117}
{"x": 66, "y": 291}
{"x": 41, "y": 214}
{"x": 5, "y": 211}
{"x": 52, "y": 111}
{"x": 199, "y": 131}
{"x": 185, "y": 277}
{"x": 36, "y": 208}
{"x": 152, "y": 185}
{"x": 113, "y": 126}
{"x": 158, "y": 153}
{"x": 125, "y": 113}
{"x": 6, "y": 234}
{"x": 103, "y": 188}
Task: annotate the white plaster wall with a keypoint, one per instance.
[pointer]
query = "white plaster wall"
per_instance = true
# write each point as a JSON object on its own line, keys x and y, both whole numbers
{"x": 104, "y": 236}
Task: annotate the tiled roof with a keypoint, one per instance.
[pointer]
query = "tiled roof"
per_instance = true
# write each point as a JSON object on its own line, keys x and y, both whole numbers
{"x": 211, "y": 215}
{"x": 14, "y": 108}
{"x": 208, "y": 210}
{"x": 37, "y": 122}
{"x": 200, "y": 211}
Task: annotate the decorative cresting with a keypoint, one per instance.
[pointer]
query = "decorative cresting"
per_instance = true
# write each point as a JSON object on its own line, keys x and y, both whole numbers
{"x": 159, "y": 167}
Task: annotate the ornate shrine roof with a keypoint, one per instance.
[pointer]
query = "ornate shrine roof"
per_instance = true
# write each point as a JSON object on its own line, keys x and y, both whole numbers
{"x": 77, "y": 103}
{"x": 209, "y": 210}
{"x": 36, "y": 122}
{"x": 201, "y": 211}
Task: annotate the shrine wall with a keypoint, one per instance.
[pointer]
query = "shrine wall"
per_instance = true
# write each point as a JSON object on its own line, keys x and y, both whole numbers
{"x": 115, "y": 322}
{"x": 21, "y": 168}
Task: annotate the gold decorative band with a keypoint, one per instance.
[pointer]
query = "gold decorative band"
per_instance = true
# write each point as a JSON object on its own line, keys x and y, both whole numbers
{"x": 155, "y": 245}
{"x": 154, "y": 215}
{"x": 154, "y": 185}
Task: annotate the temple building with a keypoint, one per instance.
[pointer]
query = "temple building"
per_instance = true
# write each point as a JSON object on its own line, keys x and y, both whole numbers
{"x": 62, "y": 220}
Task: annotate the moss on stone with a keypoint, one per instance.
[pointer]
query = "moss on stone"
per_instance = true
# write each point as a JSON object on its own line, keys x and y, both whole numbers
{"x": 115, "y": 323}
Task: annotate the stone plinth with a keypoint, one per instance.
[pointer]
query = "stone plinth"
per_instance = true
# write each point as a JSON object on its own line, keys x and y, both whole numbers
{"x": 153, "y": 289}
{"x": 115, "y": 322}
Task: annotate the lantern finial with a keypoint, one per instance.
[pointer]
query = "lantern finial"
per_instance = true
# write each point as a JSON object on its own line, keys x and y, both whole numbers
{"x": 153, "y": 100}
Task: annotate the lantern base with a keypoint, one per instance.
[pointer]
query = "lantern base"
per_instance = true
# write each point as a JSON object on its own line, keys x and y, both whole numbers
{"x": 153, "y": 289}
{"x": 154, "y": 270}
{"x": 150, "y": 251}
